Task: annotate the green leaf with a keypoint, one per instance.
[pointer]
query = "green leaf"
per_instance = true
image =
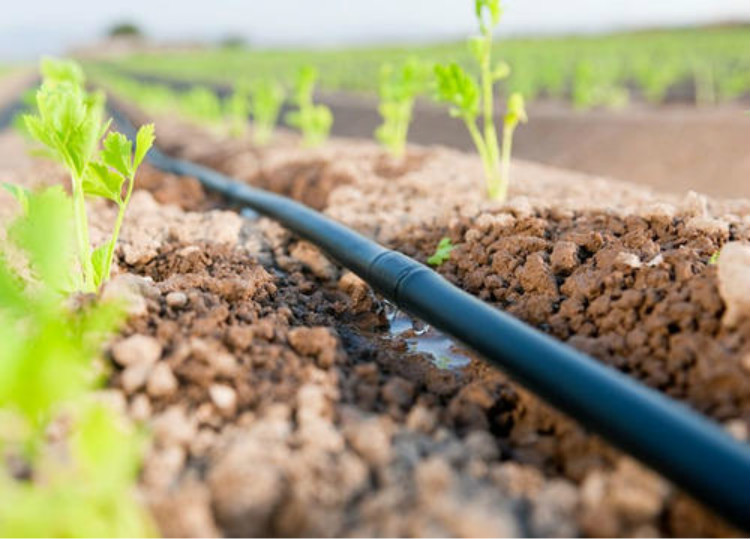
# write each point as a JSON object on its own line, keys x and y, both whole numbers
{"x": 516, "y": 111}
{"x": 458, "y": 88}
{"x": 45, "y": 234}
{"x": 144, "y": 140}
{"x": 21, "y": 194}
{"x": 116, "y": 153}
{"x": 501, "y": 71}
{"x": 100, "y": 180}
{"x": 68, "y": 122}
{"x": 493, "y": 6}
{"x": 61, "y": 71}
{"x": 442, "y": 253}
{"x": 304, "y": 85}
{"x": 99, "y": 261}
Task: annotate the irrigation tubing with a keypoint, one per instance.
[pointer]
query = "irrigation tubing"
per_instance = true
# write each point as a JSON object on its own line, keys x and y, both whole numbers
{"x": 682, "y": 445}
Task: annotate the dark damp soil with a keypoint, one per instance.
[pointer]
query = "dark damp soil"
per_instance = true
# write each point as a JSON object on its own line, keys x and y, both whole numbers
{"x": 281, "y": 407}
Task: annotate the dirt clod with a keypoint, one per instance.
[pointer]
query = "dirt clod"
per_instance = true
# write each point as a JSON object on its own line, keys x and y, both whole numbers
{"x": 734, "y": 281}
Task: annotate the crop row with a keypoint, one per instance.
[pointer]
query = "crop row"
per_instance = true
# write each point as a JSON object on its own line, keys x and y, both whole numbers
{"x": 704, "y": 65}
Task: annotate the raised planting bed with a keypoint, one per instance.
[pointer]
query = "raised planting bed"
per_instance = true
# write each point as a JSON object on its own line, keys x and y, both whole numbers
{"x": 284, "y": 367}
{"x": 284, "y": 397}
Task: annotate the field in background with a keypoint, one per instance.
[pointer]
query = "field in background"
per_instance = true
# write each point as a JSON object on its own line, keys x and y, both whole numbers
{"x": 704, "y": 65}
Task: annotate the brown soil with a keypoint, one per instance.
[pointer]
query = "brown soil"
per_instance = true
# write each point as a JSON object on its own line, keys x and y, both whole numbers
{"x": 624, "y": 277}
{"x": 280, "y": 406}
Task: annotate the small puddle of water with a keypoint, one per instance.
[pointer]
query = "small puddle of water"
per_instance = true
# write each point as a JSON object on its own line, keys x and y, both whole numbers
{"x": 421, "y": 338}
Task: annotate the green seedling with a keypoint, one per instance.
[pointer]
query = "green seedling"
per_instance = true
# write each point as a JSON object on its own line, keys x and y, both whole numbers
{"x": 45, "y": 348}
{"x": 596, "y": 85}
{"x": 48, "y": 351}
{"x": 398, "y": 88}
{"x": 314, "y": 121}
{"x": 69, "y": 123}
{"x": 201, "y": 105}
{"x": 50, "y": 346}
{"x": 466, "y": 95}
{"x": 238, "y": 109}
{"x": 442, "y": 252}
{"x": 266, "y": 98}
{"x": 714, "y": 258}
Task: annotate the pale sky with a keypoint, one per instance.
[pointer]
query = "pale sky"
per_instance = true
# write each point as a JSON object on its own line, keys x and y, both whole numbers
{"x": 32, "y": 27}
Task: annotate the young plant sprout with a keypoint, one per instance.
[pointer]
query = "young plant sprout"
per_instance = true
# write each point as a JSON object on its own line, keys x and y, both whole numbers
{"x": 69, "y": 122}
{"x": 398, "y": 88}
{"x": 202, "y": 105}
{"x": 266, "y": 98}
{"x": 47, "y": 351}
{"x": 238, "y": 109}
{"x": 313, "y": 120}
{"x": 442, "y": 252}
{"x": 465, "y": 95}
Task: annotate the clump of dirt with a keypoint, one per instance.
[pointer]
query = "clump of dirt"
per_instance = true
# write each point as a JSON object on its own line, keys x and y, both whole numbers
{"x": 185, "y": 192}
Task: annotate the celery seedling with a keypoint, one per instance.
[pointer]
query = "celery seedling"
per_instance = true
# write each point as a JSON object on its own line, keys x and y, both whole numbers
{"x": 442, "y": 252}
{"x": 47, "y": 352}
{"x": 313, "y": 120}
{"x": 238, "y": 109}
{"x": 398, "y": 88}
{"x": 465, "y": 95}
{"x": 69, "y": 122}
{"x": 202, "y": 105}
{"x": 266, "y": 98}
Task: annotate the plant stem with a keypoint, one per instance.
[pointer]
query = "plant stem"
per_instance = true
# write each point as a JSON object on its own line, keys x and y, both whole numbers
{"x": 495, "y": 181}
{"x": 491, "y": 169}
{"x": 507, "y": 148}
{"x": 82, "y": 235}
{"x": 116, "y": 231}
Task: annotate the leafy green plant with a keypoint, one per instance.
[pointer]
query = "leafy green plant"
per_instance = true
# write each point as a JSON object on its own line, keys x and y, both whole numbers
{"x": 312, "y": 119}
{"x": 238, "y": 109}
{"x": 442, "y": 252}
{"x": 465, "y": 95}
{"x": 201, "y": 105}
{"x": 398, "y": 88}
{"x": 595, "y": 84}
{"x": 48, "y": 348}
{"x": 69, "y": 123}
{"x": 266, "y": 98}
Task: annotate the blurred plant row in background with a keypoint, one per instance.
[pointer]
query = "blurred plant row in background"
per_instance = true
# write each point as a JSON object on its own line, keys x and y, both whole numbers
{"x": 705, "y": 65}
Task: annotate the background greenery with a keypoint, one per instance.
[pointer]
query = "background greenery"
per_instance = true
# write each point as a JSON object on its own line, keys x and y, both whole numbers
{"x": 705, "y": 65}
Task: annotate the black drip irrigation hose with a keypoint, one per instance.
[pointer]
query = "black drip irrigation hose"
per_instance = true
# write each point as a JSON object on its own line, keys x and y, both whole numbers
{"x": 684, "y": 446}
{"x": 674, "y": 440}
